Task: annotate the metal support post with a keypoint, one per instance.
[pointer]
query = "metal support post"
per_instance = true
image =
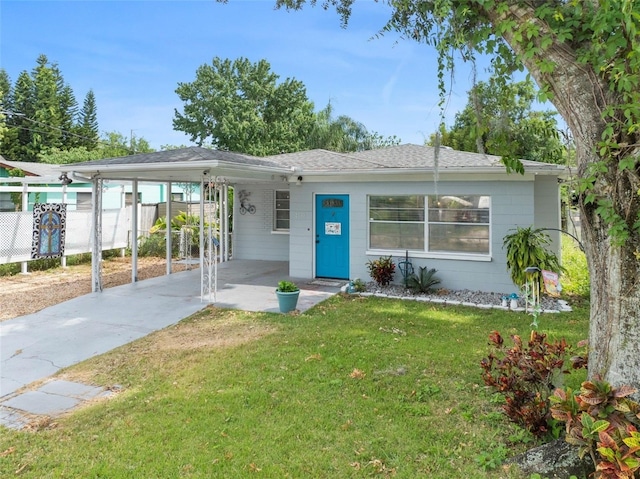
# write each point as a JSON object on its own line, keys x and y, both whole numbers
{"x": 96, "y": 247}
{"x": 169, "y": 231}
{"x": 134, "y": 231}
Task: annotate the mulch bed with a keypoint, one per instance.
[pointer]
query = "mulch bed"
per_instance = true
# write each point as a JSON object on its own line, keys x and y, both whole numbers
{"x": 26, "y": 294}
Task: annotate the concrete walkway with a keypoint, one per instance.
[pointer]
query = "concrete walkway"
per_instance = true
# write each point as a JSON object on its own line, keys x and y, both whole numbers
{"x": 36, "y": 346}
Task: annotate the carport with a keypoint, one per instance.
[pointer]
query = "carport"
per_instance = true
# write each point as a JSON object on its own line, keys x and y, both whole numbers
{"x": 213, "y": 170}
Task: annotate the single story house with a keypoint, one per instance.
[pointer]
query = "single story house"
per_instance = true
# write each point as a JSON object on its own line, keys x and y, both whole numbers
{"x": 329, "y": 213}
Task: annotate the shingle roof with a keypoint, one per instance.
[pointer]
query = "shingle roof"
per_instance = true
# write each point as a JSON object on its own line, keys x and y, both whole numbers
{"x": 395, "y": 157}
{"x": 191, "y": 154}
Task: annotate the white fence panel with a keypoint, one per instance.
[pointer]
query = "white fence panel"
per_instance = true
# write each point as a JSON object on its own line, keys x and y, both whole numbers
{"x": 116, "y": 225}
{"x": 15, "y": 236}
{"x": 16, "y": 230}
{"x": 78, "y": 238}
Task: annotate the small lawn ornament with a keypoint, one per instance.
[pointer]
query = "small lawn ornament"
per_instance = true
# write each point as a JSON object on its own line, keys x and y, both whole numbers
{"x": 513, "y": 298}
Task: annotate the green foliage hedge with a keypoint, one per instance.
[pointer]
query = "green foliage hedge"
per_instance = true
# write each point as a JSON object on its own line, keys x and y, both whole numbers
{"x": 575, "y": 279}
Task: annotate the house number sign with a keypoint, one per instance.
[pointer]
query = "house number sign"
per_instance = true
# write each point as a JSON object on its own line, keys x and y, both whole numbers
{"x": 333, "y": 229}
{"x": 332, "y": 203}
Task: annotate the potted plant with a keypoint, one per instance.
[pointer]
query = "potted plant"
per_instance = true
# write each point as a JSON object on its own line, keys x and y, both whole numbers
{"x": 527, "y": 248}
{"x": 287, "y": 293}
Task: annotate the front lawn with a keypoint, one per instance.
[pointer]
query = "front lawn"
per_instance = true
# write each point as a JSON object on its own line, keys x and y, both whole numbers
{"x": 356, "y": 387}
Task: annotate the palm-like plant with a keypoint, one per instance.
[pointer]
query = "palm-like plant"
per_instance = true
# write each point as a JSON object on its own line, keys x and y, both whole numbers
{"x": 527, "y": 248}
{"x": 424, "y": 281}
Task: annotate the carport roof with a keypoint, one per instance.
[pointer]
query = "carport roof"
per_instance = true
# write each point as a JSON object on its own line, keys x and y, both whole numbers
{"x": 191, "y": 155}
{"x": 189, "y": 164}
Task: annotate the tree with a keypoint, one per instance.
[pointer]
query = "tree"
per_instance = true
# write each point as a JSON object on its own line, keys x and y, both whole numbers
{"x": 343, "y": 134}
{"x": 56, "y": 156}
{"x": 5, "y": 103}
{"x": 46, "y": 106}
{"x": 88, "y": 123}
{"x": 42, "y": 114}
{"x": 239, "y": 106}
{"x": 112, "y": 145}
{"x": 499, "y": 120}
{"x": 585, "y": 56}
{"x": 69, "y": 131}
{"x": 17, "y": 146}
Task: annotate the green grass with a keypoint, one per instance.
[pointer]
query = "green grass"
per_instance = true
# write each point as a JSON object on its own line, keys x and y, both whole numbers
{"x": 353, "y": 388}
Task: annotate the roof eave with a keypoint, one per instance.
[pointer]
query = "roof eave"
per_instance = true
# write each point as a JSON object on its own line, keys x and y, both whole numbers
{"x": 206, "y": 167}
{"x": 430, "y": 171}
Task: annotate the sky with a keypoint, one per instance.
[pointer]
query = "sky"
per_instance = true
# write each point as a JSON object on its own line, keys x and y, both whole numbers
{"x": 133, "y": 55}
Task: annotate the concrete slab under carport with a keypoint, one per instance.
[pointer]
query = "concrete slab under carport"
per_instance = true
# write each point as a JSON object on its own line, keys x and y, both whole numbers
{"x": 250, "y": 286}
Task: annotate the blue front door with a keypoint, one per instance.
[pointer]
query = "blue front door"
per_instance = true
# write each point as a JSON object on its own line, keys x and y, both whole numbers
{"x": 332, "y": 236}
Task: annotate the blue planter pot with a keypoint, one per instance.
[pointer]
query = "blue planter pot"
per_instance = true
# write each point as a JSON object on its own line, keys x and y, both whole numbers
{"x": 287, "y": 301}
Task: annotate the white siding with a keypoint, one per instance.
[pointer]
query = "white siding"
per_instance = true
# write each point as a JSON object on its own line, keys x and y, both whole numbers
{"x": 547, "y": 208}
{"x": 512, "y": 204}
{"x": 253, "y": 235}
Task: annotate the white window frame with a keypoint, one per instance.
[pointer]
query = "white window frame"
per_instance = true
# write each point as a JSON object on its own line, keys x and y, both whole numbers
{"x": 426, "y": 252}
{"x": 128, "y": 198}
{"x": 276, "y": 209}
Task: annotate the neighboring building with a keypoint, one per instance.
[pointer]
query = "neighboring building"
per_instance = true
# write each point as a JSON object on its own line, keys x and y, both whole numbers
{"x": 38, "y": 170}
{"x": 328, "y": 213}
{"x": 78, "y": 197}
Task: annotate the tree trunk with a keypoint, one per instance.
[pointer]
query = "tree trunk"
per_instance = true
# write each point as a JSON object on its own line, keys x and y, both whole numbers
{"x": 581, "y": 95}
{"x": 614, "y": 328}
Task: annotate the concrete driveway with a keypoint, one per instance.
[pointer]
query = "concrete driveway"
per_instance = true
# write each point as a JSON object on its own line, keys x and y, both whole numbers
{"x": 36, "y": 346}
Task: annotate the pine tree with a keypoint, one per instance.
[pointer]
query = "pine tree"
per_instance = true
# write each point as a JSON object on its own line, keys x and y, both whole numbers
{"x": 88, "y": 123}
{"x": 7, "y": 135}
{"x": 68, "y": 117}
{"x": 47, "y": 114}
{"x": 19, "y": 136}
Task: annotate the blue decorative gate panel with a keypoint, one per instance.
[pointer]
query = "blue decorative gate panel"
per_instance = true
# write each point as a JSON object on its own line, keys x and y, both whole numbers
{"x": 49, "y": 222}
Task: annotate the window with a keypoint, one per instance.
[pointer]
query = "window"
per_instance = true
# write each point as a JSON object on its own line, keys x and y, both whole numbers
{"x": 281, "y": 211}
{"x": 83, "y": 201}
{"x": 396, "y": 222}
{"x": 128, "y": 198}
{"x": 439, "y": 224}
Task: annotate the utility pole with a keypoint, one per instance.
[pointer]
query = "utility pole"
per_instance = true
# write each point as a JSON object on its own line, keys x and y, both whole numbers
{"x": 131, "y": 142}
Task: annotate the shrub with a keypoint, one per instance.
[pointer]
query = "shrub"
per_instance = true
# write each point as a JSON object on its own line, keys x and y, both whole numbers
{"x": 575, "y": 279}
{"x": 156, "y": 245}
{"x": 359, "y": 286}
{"x": 424, "y": 281}
{"x": 179, "y": 221}
{"x": 382, "y": 270}
{"x": 603, "y": 422}
{"x": 526, "y": 376}
{"x": 190, "y": 224}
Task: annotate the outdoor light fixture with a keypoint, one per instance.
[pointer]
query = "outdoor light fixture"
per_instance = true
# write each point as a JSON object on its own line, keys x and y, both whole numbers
{"x": 65, "y": 179}
{"x": 299, "y": 181}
